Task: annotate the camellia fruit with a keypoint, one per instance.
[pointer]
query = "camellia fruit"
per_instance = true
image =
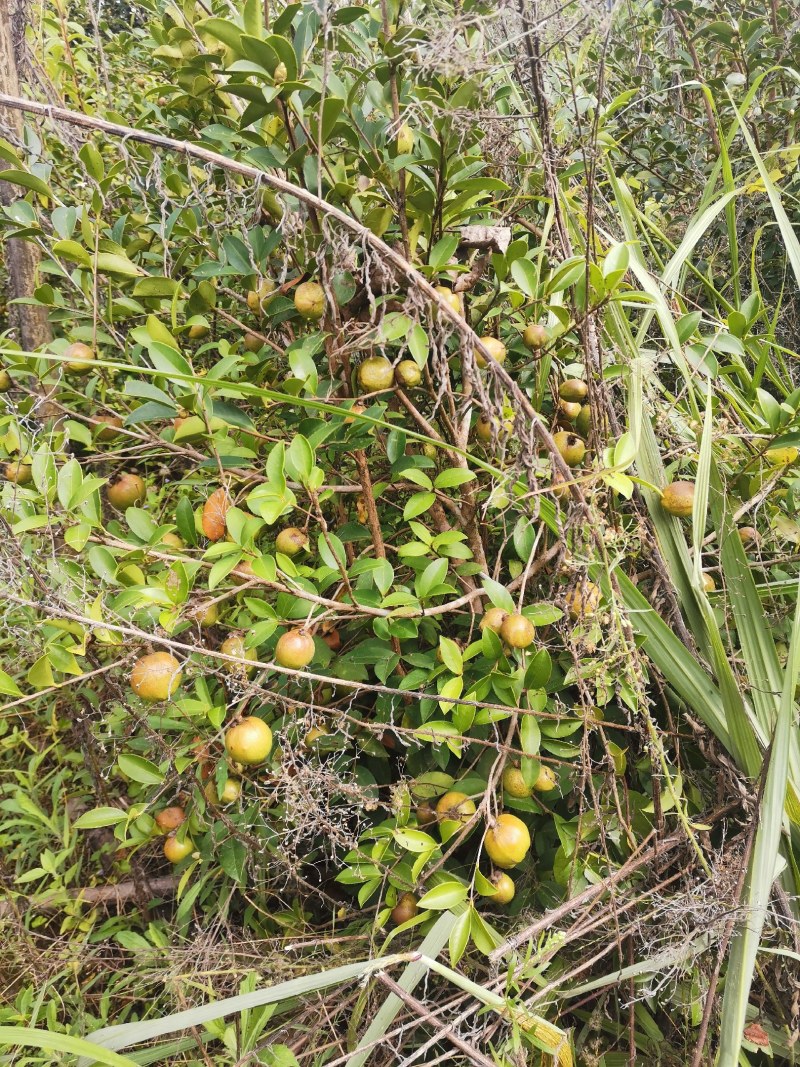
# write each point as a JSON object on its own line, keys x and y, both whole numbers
{"x": 156, "y": 676}
{"x": 749, "y": 536}
{"x": 260, "y": 297}
{"x": 314, "y": 734}
{"x": 709, "y": 585}
{"x": 677, "y": 498}
{"x": 514, "y": 783}
{"x": 545, "y": 781}
{"x": 291, "y": 541}
{"x": 453, "y": 810}
{"x": 375, "y": 374}
{"x": 535, "y": 336}
{"x": 294, "y": 649}
{"x": 504, "y": 888}
{"x": 79, "y": 358}
{"x": 450, "y": 298}
{"x": 249, "y": 741}
{"x": 169, "y": 819}
{"x": 425, "y": 814}
{"x": 573, "y": 390}
{"x": 568, "y": 412}
{"x": 229, "y": 794}
{"x": 583, "y": 423}
{"x": 355, "y": 409}
{"x": 18, "y": 472}
{"x": 405, "y": 908}
{"x": 405, "y": 140}
{"x": 583, "y": 601}
{"x": 197, "y": 331}
{"x": 517, "y": 631}
{"x": 408, "y": 373}
{"x": 176, "y": 850}
{"x": 234, "y": 646}
{"x": 173, "y": 541}
{"x": 507, "y": 842}
{"x": 493, "y": 619}
{"x": 111, "y": 424}
{"x": 485, "y": 424}
{"x": 5, "y": 380}
{"x": 126, "y": 490}
{"x": 309, "y": 299}
{"x": 571, "y": 448}
{"x": 205, "y": 614}
{"x": 495, "y": 347}
{"x": 214, "y": 511}
{"x": 252, "y": 342}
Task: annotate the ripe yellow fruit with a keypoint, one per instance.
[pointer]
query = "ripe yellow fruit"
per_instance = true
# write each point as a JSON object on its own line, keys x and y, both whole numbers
{"x": 126, "y": 490}
{"x": 535, "y": 336}
{"x": 249, "y": 741}
{"x": 504, "y": 888}
{"x": 749, "y": 536}
{"x": 573, "y": 390}
{"x": 169, "y": 819}
{"x": 234, "y": 646}
{"x": 173, "y": 541}
{"x": 294, "y": 649}
{"x": 493, "y": 619}
{"x": 229, "y": 794}
{"x": 18, "y": 472}
{"x": 453, "y": 810}
{"x": 405, "y": 908}
{"x": 156, "y": 676}
{"x": 514, "y": 783}
{"x": 198, "y": 331}
{"x": 314, "y": 734}
{"x": 583, "y": 601}
{"x": 496, "y": 348}
{"x": 260, "y": 297}
{"x": 408, "y": 373}
{"x": 205, "y": 614}
{"x": 507, "y": 842}
{"x": 567, "y": 411}
{"x": 405, "y": 140}
{"x": 546, "y": 781}
{"x": 708, "y": 582}
{"x": 570, "y": 446}
{"x": 309, "y": 299}
{"x": 79, "y": 358}
{"x": 176, "y": 850}
{"x": 375, "y": 374}
{"x": 451, "y": 298}
{"x": 291, "y": 541}
{"x": 517, "y": 631}
{"x": 5, "y": 380}
{"x": 677, "y": 498}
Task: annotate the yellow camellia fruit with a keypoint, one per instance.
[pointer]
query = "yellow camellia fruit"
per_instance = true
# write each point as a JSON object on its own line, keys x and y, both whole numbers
{"x": 493, "y": 619}
{"x": 18, "y": 472}
{"x": 496, "y": 348}
{"x": 583, "y": 601}
{"x": 453, "y": 810}
{"x": 234, "y": 646}
{"x": 535, "y": 336}
{"x": 156, "y": 676}
{"x": 450, "y": 298}
{"x": 79, "y": 358}
{"x": 375, "y": 374}
{"x": 294, "y": 649}
{"x": 205, "y": 614}
{"x": 260, "y": 297}
{"x": 229, "y": 794}
{"x": 405, "y": 140}
{"x": 126, "y": 490}
{"x": 573, "y": 390}
{"x": 709, "y": 585}
{"x": 504, "y": 888}
{"x": 546, "y": 780}
{"x": 408, "y": 373}
{"x": 309, "y": 299}
{"x": 249, "y": 741}
{"x": 677, "y": 498}
{"x": 517, "y": 631}
{"x": 507, "y": 841}
{"x": 5, "y": 380}
{"x": 291, "y": 541}
{"x": 570, "y": 446}
{"x": 176, "y": 850}
{"x": 514, "y": 783}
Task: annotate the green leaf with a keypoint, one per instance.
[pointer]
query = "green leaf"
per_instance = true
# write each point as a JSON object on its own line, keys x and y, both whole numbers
{"x": 8, "y": 687}
{"x": 443, "y": 251}
{"x": 451, "y": 655}
{"x": 452, "y": 477}
{"x": 459, "y": 937}
{"x": 97, "y": 817}
{"x": 433, "y": 576}
{"x": 414, "y": 840}
{"x": 525, "y": 275}
{"x": 498, "y": 594}
{"x": 139, "y": 769}
{"x": 64, "y": 1044}
{"x": 113, "y": 263}
{"x": 27, "y": 181}
{"x": 417, "y": 504}
{"x": 444, "y": 896}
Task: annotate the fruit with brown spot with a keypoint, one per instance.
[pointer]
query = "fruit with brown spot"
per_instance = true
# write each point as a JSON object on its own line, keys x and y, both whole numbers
{"x": 571, "y": 448}
{"x": 214, "y": 511}
{"x": 291, "y": 541}
{"x": 171, "y": 818}
{"x": 677, "y": 498}
{"x": 234, "y": 646}
{"x": 405, "y": 909}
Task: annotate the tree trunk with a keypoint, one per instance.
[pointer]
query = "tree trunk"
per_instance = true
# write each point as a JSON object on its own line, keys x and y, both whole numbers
{"x": 21, "y": 258}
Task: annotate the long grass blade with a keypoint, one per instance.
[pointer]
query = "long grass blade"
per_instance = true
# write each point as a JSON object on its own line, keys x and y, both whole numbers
{"x": 25, "y": 1037}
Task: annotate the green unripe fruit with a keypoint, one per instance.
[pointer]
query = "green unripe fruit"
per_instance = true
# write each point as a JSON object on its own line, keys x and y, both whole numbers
{"x": 376, "y": 374}
{"x": 573, "y": 390}
{"x": 405, "y": 140}
{"x": 309, "y": 299}
{"x": 504, "y": 888}
{"x": 79, "y": 358}
{"x": 496, "y": 349}
{"x": 535, "y": 336}
{"x": 514, "y": 783}
{"x": 407, "y": 373}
